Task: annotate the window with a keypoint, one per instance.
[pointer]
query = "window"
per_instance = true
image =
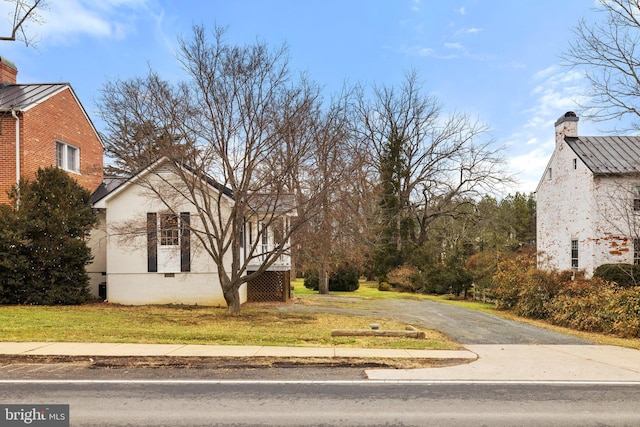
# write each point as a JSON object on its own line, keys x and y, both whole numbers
{"x": 575, "y": 164}
{"x": 67, "y": 157}
{"x": 574, "y": 254}
{"x": 636, "y": 199}
{"x": 169, "y": 231}
{"x": 168, "y": 242}
{"x": 549, "y": 174}
{"x": 636, "y": 251}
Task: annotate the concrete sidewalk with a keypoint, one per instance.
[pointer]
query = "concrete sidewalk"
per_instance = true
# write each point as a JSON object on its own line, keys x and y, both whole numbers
{"x": 584, "y": 363}
{"x": 120, "y": 349}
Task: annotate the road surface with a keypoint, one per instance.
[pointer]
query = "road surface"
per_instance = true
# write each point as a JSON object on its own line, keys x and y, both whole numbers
{"x": 352, "y": 403}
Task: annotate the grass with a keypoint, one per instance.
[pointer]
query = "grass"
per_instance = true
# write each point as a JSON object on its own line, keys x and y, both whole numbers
{"x": 257, "y": 325}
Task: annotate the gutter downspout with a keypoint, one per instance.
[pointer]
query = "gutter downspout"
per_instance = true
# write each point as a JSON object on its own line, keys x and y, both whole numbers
{"x": 15, "y": 116}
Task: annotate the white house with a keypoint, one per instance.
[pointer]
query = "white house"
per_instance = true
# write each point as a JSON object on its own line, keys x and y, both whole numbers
{"x": 588, "y": 201}
{"x": 145, "y": 253}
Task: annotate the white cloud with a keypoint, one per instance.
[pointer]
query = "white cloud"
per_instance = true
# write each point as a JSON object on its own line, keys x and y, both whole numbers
{"x": 453, "y": 46}
{"x": 528, "y": 168}
{"x": 65, "y": 20}
{"x": 555, "y": 91}
{"x": 461, "y": 11}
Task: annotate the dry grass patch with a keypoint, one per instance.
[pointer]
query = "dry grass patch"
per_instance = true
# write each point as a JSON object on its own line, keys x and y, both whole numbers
{"x": 256, "y": 325}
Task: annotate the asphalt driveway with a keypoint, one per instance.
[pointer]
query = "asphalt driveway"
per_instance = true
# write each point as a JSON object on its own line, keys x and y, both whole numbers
{"x": 460, "y": 324}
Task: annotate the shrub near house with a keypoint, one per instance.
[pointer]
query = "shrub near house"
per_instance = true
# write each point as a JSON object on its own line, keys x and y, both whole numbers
{"x": 594, "y": 305}
{"x": 42, "y": 251}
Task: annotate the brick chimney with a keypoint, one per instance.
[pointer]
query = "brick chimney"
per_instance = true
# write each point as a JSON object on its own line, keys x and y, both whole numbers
{"x": 567, "y": 125}
{"x": 8, "y": 71}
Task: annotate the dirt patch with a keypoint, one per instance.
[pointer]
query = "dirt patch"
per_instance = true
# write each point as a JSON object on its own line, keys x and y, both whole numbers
{"x": 174, "y": 362}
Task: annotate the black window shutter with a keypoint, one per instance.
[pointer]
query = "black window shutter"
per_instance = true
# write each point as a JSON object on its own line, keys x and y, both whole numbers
{"x": 152, "y": 242}
{"x": 185, "y": 242}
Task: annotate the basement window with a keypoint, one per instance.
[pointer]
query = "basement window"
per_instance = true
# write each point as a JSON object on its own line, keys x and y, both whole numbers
{"x": 67, "y": 157}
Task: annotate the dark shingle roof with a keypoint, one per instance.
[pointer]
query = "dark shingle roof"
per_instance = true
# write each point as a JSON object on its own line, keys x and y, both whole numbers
{"x": 23, "y": 96}
{"x": 109, "y": 184}
{"x": 608, "y": 155}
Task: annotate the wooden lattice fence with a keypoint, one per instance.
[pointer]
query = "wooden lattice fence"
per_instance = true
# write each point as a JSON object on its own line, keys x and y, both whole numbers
{"x": 270, "y": 286}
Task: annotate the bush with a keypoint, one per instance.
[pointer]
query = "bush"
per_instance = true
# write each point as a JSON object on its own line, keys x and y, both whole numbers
{"x": 625, "y": 308}
{"x": 583, "y": 305}
{"x": 623, "y": 275}
{"x": 509, "y": 276}
{"x": 536, "y": 293}
{"x": 447, "y": 279}
{"x": 405, "y": 278}
{"x": 41, "y": 245}
{"x": 344, "y": 279}
{"x": 384, "y": 287}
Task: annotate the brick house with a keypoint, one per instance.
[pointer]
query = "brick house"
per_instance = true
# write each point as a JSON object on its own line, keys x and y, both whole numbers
{"x": 44, "y": 124}
{"x": 588, "y": 201}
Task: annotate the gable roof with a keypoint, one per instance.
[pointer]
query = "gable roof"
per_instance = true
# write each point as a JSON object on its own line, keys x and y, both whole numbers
{"x": 608, "y": 155}
{"x": 23, "y": 97}
{"x": 113, "y": 185}
{"x": 259, "y": 202}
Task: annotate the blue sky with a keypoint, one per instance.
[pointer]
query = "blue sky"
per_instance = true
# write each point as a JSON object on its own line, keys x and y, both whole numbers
{"x": 496, "y": 60}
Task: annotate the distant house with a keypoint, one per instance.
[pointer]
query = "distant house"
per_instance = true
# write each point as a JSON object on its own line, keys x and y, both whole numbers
{"x": 588, "y": 201}
{"x": 145, "y": 253}
{"x": 44, "y": 124}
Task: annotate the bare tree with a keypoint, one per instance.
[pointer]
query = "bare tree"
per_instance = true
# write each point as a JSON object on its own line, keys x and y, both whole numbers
{"x": 608, "y": 53}
{"x": 331, "y": 169}
{"x": 225, "y": 131}
{"x": 429, "y": 166}
{"x": 23, "y": 12}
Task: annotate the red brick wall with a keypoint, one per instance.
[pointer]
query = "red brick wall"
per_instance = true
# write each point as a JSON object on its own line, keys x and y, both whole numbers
{"x": 7, "y": 155}
{"x": 60, "y": 118}
{"x": 8, "y": 72}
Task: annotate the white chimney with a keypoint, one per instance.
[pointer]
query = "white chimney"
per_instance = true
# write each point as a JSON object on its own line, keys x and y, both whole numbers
{"x": 567, "y": 125}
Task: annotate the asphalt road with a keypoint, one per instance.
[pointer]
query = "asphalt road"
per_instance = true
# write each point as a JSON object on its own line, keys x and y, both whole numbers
{"x": 360, "y": 403}
{"x": 460, "y": 324}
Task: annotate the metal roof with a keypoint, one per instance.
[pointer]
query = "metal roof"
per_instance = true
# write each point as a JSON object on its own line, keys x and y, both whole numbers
{"x": 608, "y": 155}
{"x": 24, "y": 96}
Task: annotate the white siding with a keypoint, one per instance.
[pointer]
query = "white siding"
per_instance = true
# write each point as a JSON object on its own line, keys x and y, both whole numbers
{"x": 128, "y": 281}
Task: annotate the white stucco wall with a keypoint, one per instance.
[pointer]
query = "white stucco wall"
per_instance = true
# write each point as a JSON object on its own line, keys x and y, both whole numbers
{"x": 572, "y": 203}
{"x": 616, "y": 224}
{"x": 128, "y": 281}
{"x": 564, "y": 212}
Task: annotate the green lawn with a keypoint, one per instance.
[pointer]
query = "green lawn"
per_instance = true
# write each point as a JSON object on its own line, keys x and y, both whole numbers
{"x": 257, "y": 325}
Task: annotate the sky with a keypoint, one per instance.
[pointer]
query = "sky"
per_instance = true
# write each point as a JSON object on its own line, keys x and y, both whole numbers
{"x": 495, "y": 60}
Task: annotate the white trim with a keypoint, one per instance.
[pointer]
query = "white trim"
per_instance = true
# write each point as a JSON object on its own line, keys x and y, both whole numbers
{"x": 65, "y": 156}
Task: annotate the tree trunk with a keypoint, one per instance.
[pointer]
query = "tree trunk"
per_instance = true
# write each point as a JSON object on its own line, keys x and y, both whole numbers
{"x": 232, "y": 297}
{"x": 323, "y": 281}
